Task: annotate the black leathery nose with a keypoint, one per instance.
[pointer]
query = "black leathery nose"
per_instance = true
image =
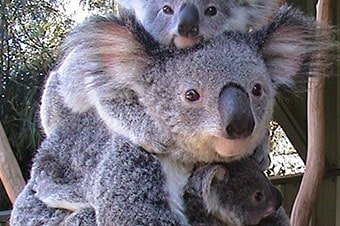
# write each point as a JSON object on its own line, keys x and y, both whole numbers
{"x": 236, "y": 112}
{"x": 188, "y": 25}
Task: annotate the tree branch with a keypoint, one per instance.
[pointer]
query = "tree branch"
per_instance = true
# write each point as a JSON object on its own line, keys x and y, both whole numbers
{"x": 315, "y": 163}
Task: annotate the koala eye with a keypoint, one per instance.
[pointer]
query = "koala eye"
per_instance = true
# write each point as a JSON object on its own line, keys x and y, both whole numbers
{"x": 258, "y": 196}
{"x": 167, "y": 10}
{"x": 257, "y": 90}
{"x": 192, "y": 95}
{"x": 210, "y": 11}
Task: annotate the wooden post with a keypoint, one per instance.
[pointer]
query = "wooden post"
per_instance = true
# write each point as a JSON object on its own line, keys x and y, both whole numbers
{"x": 315, "y": 163}
{"x": 10, "y": 173}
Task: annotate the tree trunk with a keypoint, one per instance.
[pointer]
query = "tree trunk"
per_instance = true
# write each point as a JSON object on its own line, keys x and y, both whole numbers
{"x": 315, "y": 163}
{"x": 10, "y": 173}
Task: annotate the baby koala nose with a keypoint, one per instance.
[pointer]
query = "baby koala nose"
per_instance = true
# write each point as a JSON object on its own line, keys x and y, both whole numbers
{"x": 188, "y": 21}
{"x": 235, "y": 110}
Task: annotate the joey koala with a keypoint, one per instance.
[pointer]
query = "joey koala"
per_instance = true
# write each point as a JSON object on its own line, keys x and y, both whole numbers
{"x": 184, "y": 23}
{"x": 141, "y": 116}
{"x": 233, "y": 194}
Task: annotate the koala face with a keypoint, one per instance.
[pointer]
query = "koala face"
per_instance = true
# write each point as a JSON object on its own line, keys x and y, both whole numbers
{"x": 186, "y": 23}
{"x": 237, "y": 193}
{"x": 216, "y": 103}
{"x": 250, "y": 193}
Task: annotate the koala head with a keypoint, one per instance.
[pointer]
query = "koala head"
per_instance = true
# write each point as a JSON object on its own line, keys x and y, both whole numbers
{"x": 237, "y": 193}
{"x": 186, "y": 23}
{"x": 210, "y": 103}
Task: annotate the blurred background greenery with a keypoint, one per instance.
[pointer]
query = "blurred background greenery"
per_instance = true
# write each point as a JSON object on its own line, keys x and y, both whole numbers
{"x": 30, "y": 33}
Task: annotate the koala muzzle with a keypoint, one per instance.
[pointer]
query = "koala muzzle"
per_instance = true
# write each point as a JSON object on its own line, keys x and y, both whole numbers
{"x": 188, "y": 21}
{"x": 237, "y": 117}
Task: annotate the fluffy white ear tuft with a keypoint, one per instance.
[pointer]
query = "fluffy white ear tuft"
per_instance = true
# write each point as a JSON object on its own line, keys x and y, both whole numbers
{"x": 101, "y": 55}
{"x": 259, "y": 12}
{"x": 295, "y": 44}
{"x": 123, "y": 57}
{"x": 213, "y": 173}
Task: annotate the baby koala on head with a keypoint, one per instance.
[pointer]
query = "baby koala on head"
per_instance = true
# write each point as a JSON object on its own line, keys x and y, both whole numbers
{"x": 233, "y": 194}
{"x": 185, "y": 23}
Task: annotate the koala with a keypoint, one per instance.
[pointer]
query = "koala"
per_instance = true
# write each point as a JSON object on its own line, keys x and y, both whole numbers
{"x": 184, "y": 23}
{"x": 237, "y": 193}
{"x": 142, "y": 115}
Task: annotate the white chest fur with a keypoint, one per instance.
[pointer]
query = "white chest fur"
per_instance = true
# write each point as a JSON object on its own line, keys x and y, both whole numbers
{"x": 176, "y": 175}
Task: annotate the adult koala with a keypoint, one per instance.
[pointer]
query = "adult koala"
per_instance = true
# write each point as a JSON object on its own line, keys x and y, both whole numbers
{"x": 140, "y": 116}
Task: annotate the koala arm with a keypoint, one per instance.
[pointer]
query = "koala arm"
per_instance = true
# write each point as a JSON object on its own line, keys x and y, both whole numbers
{"x": 84, "y": 217}
{"x": 123, "y": 183}
{"x": 52, "y": 109}
{"x": 29, "y": 210}
{"x": 261, "y": 154}
{"x": 128, "y": 188}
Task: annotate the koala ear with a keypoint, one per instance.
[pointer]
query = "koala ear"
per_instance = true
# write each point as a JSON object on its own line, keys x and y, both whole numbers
{"x": 127, "y": 8}
{"x": 130, "y": 5}
{"x": 215, "y": 174}
{"x": 101, "y": 56}
{"x": 123, "y": 57}
{"x": 259, "y": 14}
{"x": 290, "y": 44}
{"x": 220, "y": 174}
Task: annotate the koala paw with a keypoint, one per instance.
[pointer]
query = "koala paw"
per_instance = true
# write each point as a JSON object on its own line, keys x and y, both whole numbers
{"x": 261, "y": 156}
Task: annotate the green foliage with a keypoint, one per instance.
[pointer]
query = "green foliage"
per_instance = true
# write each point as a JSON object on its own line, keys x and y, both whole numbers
{"x": 103, "y": 6}
{"x": 30, "y": 33}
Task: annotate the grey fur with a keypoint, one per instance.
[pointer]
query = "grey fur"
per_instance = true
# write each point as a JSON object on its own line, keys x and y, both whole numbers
{"x": 227, "y": 194}
{"x": 132, "y": 137}
{"x": 52, "y": 108}
{"x": 218, "y": 195}
{"x": 81, "y": 166}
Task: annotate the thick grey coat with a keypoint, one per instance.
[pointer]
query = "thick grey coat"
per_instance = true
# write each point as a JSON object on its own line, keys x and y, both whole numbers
{"x": 80, "y": 166}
